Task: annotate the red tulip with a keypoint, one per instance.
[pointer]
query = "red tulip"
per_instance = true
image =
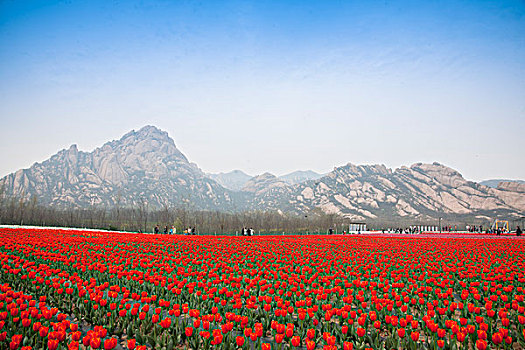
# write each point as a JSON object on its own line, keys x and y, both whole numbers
{"x": 360, "y": 332}
{"x": 296, "y": 341}
{"x": 189, "y": 331}
{"x": 348, "y": 346}
{"x": 52, "y": 344}
{"x": 74, "y": 345}
{"x": 414, "y": 336}
{"x": 110, "y": 343}
{"x": 401, "y": 332}
{"x": 481, "y": 344}
{"x": 239, "y": 340}
{"x": 165, "y": 323}
{"x": 497, "y": 338}
{"x": 43, "y": 331}
{"x": 94, "y": 343}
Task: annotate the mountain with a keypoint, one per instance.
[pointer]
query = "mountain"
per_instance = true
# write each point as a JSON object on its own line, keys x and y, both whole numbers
{"x": 145, "y": 167}
{"x": 300, "y": 176}
{"x": 234, "y": 180}
{"x": 374, "y": 192}
{"x": 263, "y": 183}
{"x": 495, "y": 182}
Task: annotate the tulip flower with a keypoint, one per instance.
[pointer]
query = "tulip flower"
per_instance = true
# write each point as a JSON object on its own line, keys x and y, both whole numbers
{"x": 296, "y": 341}
{"x": 94, "y": 343}
{"x": 52, "y": 344}
{"x": 401, "y": 332}
{"x": 414, "y": 336}
{"x": 360, "y": 332}
{"x": 481, "y": 344}
{"x": 240, "y": 341}
{"x": 110, "y": 343}
{"x": 189, "y": 331}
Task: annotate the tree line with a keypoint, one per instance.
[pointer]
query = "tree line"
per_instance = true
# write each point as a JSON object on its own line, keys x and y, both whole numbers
{"x": 24, "y": 210}
{"x": 20, "y": 210}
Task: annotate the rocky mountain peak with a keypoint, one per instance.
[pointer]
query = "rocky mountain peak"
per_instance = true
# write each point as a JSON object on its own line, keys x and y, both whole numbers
{"x": 148, "y": 139}
{"x": 141, "y": 165}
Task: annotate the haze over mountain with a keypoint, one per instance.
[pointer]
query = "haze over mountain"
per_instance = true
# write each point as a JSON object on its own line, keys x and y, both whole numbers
{"x": 236, "y": 180}
{"x": 233, "y": 180}
{"x": 300, "y": 176}
{"x": 145, "y": 167}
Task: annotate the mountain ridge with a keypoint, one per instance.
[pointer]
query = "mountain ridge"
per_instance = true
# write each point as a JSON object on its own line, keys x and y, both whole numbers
{"x": 145, "y": 167}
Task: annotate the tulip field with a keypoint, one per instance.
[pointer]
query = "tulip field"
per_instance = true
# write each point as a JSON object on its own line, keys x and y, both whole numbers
{"x": 73, "y": 289}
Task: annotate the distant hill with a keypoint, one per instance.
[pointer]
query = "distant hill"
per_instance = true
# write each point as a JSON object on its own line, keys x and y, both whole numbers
{"x": 145, "y": 167}
{"x": 234, "y": 180}
{"x": 300, "y": 176}
{"x": 262, "y": 183}
{"x": 495, "y": 182}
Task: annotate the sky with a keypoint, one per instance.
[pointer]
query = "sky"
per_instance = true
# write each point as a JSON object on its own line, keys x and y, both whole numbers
{"x": 269, "y": 85}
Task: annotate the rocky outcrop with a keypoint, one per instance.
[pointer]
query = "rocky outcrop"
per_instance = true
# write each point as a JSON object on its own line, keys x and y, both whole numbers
{"x": 512, "y": 186}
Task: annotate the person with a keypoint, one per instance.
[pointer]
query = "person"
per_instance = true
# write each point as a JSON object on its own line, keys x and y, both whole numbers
{"x": 171, "y": 230}
{"x": 193, "y": 231}
{"x": 156, "y": 230}
{"x": 251, "y": 231}
{"x": 165, "y": 230}
{"x": 518, "y": 231}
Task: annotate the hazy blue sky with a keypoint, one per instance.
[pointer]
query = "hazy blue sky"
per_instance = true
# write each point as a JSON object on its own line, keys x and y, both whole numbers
{"x": 269, "y": 85}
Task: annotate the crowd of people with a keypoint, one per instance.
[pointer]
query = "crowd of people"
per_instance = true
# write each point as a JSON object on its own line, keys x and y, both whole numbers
{"x": 474, "y": 228}
{"x": 249, "y": 231}
{"x": 172, "y": 230}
